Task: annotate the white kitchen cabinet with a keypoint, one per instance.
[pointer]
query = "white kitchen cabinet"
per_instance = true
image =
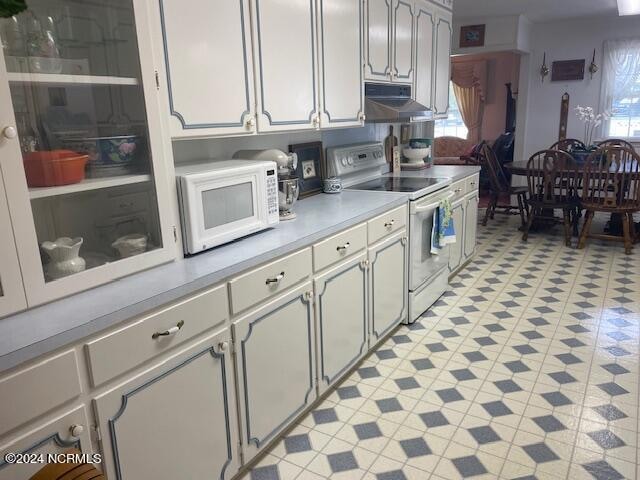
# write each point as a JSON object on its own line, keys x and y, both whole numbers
{"x": 470, "y": 223}
{"x": 53, "y": 435}
{"x": 99, "y": 101}
{"x": 390, "y": 38}
{"x": 456, "y": 250}
{"x": 388, "y": 278}
{"x": 403, "y": 41}
{"x": 12, "y": 297}
{"x": 341, "y": 53}
{"x": 275, "y": 364}
{"x": 378, "y": 40}
{"x": 442, "y": 73}
{"x": 206, "y": 55}
{"x": 341, "y": 317}
{"x": 284, "y": 42}
{"x": 425, "y": 31}
{"x": 175, "y": 420}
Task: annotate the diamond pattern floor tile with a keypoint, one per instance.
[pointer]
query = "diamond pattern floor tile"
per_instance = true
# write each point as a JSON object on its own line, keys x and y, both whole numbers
{"x": 526, "y": 369}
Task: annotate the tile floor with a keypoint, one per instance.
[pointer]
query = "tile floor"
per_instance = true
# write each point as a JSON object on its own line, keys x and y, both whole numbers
{"x": 527, "y": 368}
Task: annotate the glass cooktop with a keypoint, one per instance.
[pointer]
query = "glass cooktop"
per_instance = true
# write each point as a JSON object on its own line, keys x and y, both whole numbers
{"x": 398, "y": 184}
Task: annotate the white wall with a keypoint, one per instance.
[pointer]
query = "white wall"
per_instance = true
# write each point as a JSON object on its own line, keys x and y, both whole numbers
{"x": 566, "y": 40}
{"x": 224, "y": 148}
{"x": 508, "y": 33}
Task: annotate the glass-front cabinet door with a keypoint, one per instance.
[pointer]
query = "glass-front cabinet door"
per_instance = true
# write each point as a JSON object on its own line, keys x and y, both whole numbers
{"x": 82, "y": 152}
{"x": 12, "y": 296}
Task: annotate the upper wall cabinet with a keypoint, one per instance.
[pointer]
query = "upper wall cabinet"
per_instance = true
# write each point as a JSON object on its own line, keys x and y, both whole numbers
{"x": 82, "y": 159}
{"x": 390, "y": 38}
{"x": 442, "y": 63}
{"x": 403, "y": 36}
{"x": 206, "y": 53}
{"x": 284, "y": 39}
{"x": 377, "y": 65}
{"x": 425, "y": 30}
{"x": 340, "y": 37}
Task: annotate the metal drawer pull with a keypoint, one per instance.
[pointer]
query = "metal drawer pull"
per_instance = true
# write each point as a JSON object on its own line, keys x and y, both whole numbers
{"x": 390, "y": 223}
{"x": 457, "y": 190}
{"x": 170, "y": 331}
{"x": 275, "y": 279}
{"x": 343, "y": 247}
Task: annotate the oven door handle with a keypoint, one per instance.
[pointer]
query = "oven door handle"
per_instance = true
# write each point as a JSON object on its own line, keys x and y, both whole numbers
{"x": 431, "y": 206}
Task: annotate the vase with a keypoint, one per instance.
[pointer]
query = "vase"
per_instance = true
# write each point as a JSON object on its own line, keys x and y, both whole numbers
{"x": 64, "y": 255}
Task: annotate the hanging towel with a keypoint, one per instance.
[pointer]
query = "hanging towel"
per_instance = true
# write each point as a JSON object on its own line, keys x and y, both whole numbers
{"x": 443, "y": 232}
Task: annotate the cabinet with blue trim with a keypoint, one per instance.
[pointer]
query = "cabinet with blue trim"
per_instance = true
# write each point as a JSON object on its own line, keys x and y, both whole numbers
{"x": 275, "y": 365}
{"x": 442, "y": 70}
{"x": 174, "y": 420}
{"x": 205, "y": 65}
{"x": 54, "y": 435}
{"x": 388, "y": 285}
{"x": 341, "y": 316}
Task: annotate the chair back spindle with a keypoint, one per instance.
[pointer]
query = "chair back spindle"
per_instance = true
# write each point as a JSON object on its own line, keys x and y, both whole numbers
{"x": 612, "y": 178}
{"x": 489, "y": 160}
{"x": 551, "y": 176}
{"x": 568, "y": 144}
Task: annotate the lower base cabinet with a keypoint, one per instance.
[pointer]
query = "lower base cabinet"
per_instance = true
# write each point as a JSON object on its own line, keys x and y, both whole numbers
{"x": 465, "y": 219}
{"x": 388, "y": 284}
{"x": 341, "y": 315}
{"x": 470, "y": 223}
{"x": 275, "y": 366}
{"x": 456, "y": 250}
{"x": 176, "y": 420}
{"x": 69, "y": 430}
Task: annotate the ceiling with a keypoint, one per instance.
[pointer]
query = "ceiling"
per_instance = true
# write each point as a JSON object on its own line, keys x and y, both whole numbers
{"x": 534, "y": 10}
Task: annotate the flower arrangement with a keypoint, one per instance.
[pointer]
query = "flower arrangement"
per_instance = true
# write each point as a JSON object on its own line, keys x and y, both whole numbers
{"x": 591, "y": 121}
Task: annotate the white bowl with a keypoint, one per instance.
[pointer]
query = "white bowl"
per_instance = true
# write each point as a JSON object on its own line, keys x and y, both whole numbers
{"x": 416, "y": 155}
{"x": 130, "y": 245}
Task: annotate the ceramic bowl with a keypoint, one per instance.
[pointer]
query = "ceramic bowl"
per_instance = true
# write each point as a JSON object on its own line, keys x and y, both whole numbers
{"x": 130, "y": 245}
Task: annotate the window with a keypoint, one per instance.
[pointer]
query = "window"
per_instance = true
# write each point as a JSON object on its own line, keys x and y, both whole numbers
{"x": 453, "y": 126}
{"x": 621, "y": 89}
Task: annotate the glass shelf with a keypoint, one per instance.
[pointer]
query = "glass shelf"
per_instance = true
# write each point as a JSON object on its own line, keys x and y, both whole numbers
{"x": 87, "y": 184}
{"x": 67, "y": 79}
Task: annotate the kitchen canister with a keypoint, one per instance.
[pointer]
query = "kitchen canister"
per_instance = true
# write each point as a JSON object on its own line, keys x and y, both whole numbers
{"x": 332, "y": 185}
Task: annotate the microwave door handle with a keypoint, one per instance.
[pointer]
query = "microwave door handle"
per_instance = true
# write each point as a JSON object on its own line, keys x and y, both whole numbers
{"x": 424, "y": 208}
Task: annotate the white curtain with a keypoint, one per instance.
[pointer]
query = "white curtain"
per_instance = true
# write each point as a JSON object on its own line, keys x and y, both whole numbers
{"x": 620, "y": 74}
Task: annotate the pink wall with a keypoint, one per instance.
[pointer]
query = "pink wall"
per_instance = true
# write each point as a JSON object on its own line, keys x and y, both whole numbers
{"x": 502, "y": 67}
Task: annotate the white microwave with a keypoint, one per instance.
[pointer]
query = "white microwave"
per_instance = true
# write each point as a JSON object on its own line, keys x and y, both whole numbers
{"x": 224, "y": 200}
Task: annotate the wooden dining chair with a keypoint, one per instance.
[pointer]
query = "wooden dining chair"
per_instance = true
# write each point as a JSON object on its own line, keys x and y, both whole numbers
{"x": 568, "y": 144}
{"x": 500, "y": 191}
{"x": 551, "y": 177}
{"x": 68, "y": 471}
{"x": 616, "y": 142}
{"x": 611, "y": 184}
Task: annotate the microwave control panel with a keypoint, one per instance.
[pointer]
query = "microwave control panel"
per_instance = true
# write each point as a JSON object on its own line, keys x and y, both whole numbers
{"x": 272, "y": 195}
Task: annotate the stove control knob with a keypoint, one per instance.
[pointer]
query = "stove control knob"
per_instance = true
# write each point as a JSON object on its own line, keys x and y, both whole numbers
{"x": 344, "y": 161}
{"x": 350, "y": 161}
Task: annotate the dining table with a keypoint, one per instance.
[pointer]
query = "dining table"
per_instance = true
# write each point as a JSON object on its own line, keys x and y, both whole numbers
{"x": 520, "y": 168}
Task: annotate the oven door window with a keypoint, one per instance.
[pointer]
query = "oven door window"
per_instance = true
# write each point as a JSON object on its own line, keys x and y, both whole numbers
{"x": 226, "y": 205}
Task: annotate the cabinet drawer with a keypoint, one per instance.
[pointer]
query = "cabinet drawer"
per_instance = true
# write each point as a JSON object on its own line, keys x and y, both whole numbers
{"x": 472, "y": 183}
{"x": 339, "y": 247}
{"x": 37, "y": 389}
{"x": 458, "y": 189}
{"x": 128, "y": 347}
{"x": 387, "y": 223}
{"x": 257, "y": 285}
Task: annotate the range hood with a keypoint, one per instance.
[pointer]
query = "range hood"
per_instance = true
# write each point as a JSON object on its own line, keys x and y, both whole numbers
{"x": 393, "y": 103}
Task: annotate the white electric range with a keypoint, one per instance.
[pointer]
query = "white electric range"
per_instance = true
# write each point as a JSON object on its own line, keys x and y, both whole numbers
{"x": 363, "y": 167}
